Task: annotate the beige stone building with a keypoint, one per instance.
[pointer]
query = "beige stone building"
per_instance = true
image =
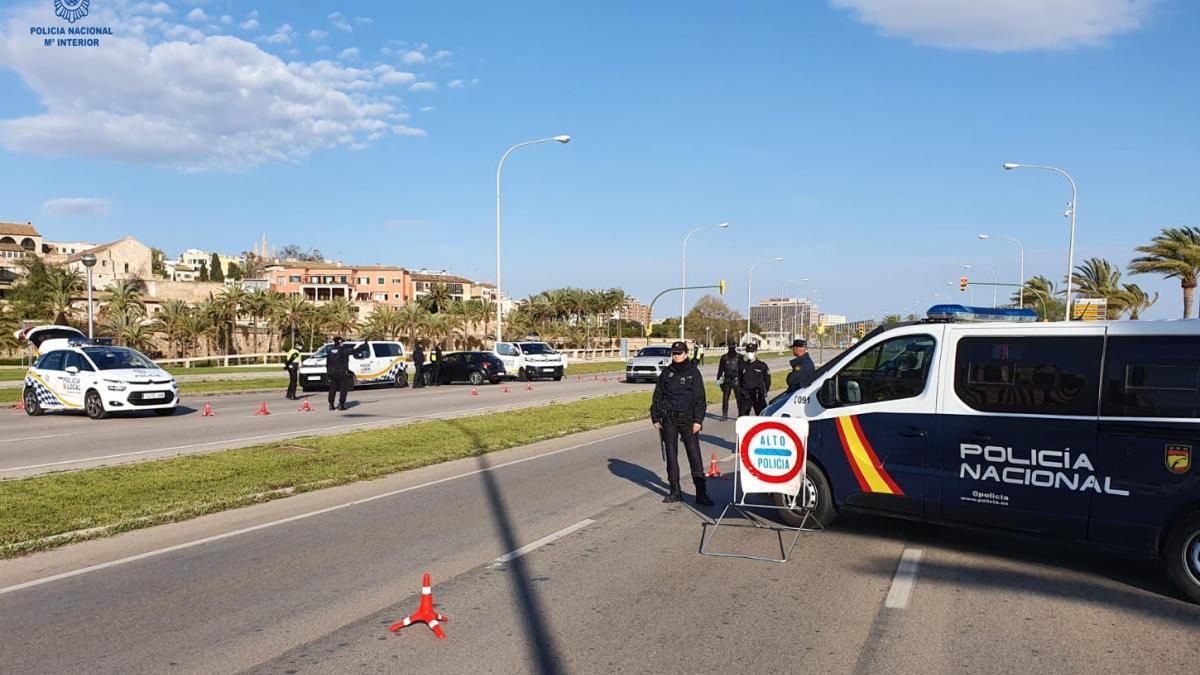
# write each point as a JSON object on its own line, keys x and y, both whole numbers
{"x": 122, "y": 260}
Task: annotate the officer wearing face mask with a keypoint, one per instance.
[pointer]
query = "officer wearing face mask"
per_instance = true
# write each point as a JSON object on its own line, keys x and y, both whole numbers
{"x": 337, "y": 369}
{"x": 729, "y": 369}
{"x": 677, "y": 411}
{"x": 755, "y": 381}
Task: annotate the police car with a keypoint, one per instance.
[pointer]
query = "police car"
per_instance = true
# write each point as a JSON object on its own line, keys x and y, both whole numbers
{"x": 648, "y": 364}
{"x": 1083, "y": 431}
{"x": 75, "y": 373}
{"x": 531, "y": 360}
{"x": 384, "y": 365}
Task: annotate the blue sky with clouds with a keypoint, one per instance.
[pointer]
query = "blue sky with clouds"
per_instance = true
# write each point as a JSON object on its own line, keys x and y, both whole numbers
{"x": 860, "y": 139}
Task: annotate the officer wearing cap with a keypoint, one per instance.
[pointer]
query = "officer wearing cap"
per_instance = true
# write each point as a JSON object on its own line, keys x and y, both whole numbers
{"x": 677, "y": 411}
{"x": 337, "y": 369}
{"x": 729, "y": 369}
{"x": 755, "y": 380}
{"x": 803, "y": 370}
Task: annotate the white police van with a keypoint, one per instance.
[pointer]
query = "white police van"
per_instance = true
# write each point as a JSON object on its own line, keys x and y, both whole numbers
{"x": 531, "y": 360}
{"x": 385, "y": 364}
{"x": 75, "y": 373}
{"x": 1083, "y": 431}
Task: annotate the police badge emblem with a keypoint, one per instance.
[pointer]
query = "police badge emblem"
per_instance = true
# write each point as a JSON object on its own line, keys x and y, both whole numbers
{"x": 1178, "y": 458}
{"x": 71, "y": 10}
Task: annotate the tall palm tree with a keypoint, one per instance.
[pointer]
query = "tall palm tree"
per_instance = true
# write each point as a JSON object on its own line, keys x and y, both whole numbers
{"x": 169, "y": 320}
{"x": 1174, "y": 254}
{"x": 411, "y": 321}
{"x": 9, "y": 324}
{"x": 341, "y": 317}
{"x": 292, "y": 312}
{"x": 1098, "y": 278}
{"x": 228, "y": 305}
{"x": 487, "y": 311}
{"x": 137, "y": 334}
{"x": 125, "y": 296}
{"x": 437, "y": 298}
{"x": 1137, "y": 301}
{"x": 258, "y": 305}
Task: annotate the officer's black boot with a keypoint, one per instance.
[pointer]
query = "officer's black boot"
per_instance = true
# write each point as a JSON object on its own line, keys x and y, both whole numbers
{"x": 701, "y": 492}
{"x": 675, "y": 495}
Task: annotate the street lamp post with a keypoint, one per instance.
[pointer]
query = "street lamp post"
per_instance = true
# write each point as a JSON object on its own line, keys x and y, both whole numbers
{"x": 683, "y": 280}
{"x": 782, "y": 296}
{"x": 89, "y": 261}
{"x": 749, "y": 290}
{"x": 499, "y": 168}
{"x": 1009, "y": 166}
{"x": 1021, "y": 251}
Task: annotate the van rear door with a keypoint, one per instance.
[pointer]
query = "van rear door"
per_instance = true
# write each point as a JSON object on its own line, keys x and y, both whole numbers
{"x": 1019, "y": 427}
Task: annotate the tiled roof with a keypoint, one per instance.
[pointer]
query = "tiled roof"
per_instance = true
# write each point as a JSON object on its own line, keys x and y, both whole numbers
{"x": 19, "y": 229}
{"x": 96, "y": 249}
{"x": 441, "y": 278}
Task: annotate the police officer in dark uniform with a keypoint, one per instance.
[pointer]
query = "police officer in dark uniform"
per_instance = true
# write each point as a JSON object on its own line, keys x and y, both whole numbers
{"x": 677, "y": 411}
{"x": 418, "y": 357}
{"x": 803, "y": 371}
{"x": 337, "y": 369}
{"x": 729, "y": 370}
{"x": 755, "y": 381}
{"x": 435, "y": 364}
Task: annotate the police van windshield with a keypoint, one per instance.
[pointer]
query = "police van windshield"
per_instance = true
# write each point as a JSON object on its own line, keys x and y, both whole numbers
{"x": 654, "y": 351}
{"x": 116, "y": 358}
{"x": 536, "y": 348}
{"x": 324, "y": 350}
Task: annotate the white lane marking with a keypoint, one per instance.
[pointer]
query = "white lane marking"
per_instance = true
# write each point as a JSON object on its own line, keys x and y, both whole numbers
{"x": 31, "y": 438}
{"x": 905, "y": 579}
{"x": 301, "y": 516}
{"x": 527, "y": 548}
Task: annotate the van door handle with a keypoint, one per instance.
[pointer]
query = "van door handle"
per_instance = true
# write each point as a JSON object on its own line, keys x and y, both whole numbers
{"x": 913, "y": 432}
{"x": 978, "y": 438}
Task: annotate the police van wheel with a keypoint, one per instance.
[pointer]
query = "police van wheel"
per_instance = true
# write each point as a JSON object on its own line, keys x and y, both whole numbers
{"x": 1182, "y": 553}
{"x": 401, "y": 380}
{"x": 816, "y": 496}
{"x": 32, "y": 407}
{"x": 93, "y": 405}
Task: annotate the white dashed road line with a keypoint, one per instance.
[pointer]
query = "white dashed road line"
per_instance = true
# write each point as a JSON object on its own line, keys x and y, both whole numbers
{"x": 527, "y": 548}
{"x": 905, "y": 579}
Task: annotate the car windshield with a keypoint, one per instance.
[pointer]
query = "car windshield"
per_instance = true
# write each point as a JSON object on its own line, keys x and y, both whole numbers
{"x": 655, "y": 351}
{"x": 116, "y": 358}
{"x": 536, "y": 348}
{"x": 324, "y": 350}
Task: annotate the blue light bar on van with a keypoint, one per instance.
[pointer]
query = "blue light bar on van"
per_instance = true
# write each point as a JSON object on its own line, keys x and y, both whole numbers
{"x": 964, "y": 314}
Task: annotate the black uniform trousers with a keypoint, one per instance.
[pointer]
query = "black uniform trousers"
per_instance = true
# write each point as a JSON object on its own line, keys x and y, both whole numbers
{"x": 418, "y": 371}
{"x": 676, "y": 426}
{"x": 293, "y": 375}
{"x": 436, "y": 368}
{"x": 755, "y": 399}
{"x": 727, "y": 388}
{"x": 339, "y": 385}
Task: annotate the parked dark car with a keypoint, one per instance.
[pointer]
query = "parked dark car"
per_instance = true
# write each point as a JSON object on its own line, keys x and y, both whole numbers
{"x": 473, "y": 367}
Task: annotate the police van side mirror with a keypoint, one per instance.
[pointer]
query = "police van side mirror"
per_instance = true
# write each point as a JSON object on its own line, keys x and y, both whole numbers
{"x": 829, "y": 393}
{"x": 73, "y": 370}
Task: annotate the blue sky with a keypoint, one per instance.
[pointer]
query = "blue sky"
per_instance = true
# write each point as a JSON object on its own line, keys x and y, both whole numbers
{"x": 859, "y": 139}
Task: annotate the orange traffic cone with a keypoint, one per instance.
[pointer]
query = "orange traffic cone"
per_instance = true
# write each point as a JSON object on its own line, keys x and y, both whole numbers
{"x": 262, "y": 410}
{"x": 528, "y": 386}
{"x": 474, "y": 391}
{"x": 424, "y": 613}
{"x": 713, "y": 470}
{"x": 19, "y": 405}
{"x": 504, "y": 389}
{"x": 594, "y": 378}
{"x": 604, "y": 379}
{"x": 306, "y": 407}
{"x": 620, "y": 378}
{"x": 579, "y": 377}
{"x": 208, "y": 411}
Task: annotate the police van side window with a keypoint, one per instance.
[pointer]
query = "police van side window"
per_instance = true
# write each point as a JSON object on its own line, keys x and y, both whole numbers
{"x": 1029, "y": 375}
{"x": 1151, "y": 377}
{"x": 51, "y": 361}
{"x": 385, "y": 349}
{"x": 892, "y": 370}
{"x": 77, "y": 360}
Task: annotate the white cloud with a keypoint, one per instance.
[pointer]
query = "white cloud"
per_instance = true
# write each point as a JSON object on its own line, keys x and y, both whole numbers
{"x": 440, "y": 55}
{"x": 339, "y": 22}
{"x": 219, "y": 103}
{"x": 364, "y": 20}
{"x": 249, "y": 24}
{"x": 413, "y": 57}
{"x": 349, "y": 54}
{"x": 423, "y": 86}
{"x": 390, "y": 76}
{"x": 226, "y": 20}
{"x": 427, "y": 108}
{"x": 455, "y": 84}
{"x": 197, "y": 15}
{"x": 1001, "y": 25}
{"x": 403, "y": 130}
{"x": 282, "y": 35}
{"x": 317, "y": 35}
{"x": 76, "y": 206}
{"x": 159, "y": 8}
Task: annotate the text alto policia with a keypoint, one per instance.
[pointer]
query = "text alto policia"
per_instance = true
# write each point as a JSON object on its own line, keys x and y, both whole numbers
{"x": 1056, "y": 469}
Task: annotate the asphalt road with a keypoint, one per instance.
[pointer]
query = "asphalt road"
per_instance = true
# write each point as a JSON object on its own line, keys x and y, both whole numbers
{"x": 311, "y": 583}
{"x": 62, "y": 441}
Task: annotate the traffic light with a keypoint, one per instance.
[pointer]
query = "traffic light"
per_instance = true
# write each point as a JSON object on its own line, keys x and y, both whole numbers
{"x": 962, "y": 285}
{"x": 722, "y": 287}
{"x": 862, "y": 329}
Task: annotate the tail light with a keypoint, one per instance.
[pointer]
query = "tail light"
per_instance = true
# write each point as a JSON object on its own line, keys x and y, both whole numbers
{"x": 486, "y": 365}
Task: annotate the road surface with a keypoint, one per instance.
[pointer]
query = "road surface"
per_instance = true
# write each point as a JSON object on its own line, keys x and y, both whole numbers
{"x": 609, "y": 581}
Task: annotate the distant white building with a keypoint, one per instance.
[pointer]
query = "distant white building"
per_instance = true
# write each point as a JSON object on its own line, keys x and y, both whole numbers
{"x": 833, "y": 319}
{"x": 195, "y": 256}
{"x": 181, "y": 271}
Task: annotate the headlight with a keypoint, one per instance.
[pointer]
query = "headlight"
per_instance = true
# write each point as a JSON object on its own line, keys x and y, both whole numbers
{"x": 117, "y": 387}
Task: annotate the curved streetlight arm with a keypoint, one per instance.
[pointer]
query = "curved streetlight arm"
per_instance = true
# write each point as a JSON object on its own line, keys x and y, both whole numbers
{"x": 750, "y": 290}
{"x": 683, "y": 278}
{"x": 1074, "y": 208}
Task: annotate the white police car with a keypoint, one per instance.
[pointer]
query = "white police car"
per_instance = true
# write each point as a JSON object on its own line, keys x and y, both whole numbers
{"x": 385, "y": 364}
{"x": 531, "y": 360}
{"x": 1081, "y": 431}
{"x": 74, "y": 373}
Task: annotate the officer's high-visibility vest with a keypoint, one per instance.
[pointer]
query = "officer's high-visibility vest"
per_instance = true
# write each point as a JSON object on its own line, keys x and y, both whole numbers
{"x": 293, "y": 354}
{"x": 432, "y": 357}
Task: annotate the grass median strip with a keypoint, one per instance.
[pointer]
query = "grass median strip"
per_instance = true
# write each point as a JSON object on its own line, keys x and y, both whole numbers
{"x": 44, "y": 512}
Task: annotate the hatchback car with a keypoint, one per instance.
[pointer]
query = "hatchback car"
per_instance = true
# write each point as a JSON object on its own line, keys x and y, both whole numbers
{"x": 473, "y": 367}
{"x": 648, "y": 364}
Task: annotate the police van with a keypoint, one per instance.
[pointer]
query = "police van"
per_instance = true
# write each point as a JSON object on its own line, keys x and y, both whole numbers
{"x": 385, "y": 364}
{"x": 1083, "y": 431}
{"x": 75, "y": 373}
{"x": 531, "y": 360}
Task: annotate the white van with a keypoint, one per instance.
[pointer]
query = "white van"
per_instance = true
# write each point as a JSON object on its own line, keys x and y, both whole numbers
{"x": 1083, "y": 431}
{"x": 386, "y": 364}
{"x": 531, "y": 360}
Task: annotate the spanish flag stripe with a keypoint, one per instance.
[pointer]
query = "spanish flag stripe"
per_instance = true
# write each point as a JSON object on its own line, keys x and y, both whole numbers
{"x": 862, "y": 482}
{"x": 875, "y": 463}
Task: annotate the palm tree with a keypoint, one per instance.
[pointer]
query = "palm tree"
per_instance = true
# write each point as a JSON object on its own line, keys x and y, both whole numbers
{"x": 125, "y": 297}
{"x": 487, "y": 310}
{"x": 258, "y": 305}
{"x": 341, "y": 317}
{"x": 9, "y": 324}
{"x": 1040, "y": 294}
{"x": 1173, "y": 254}
{"x": 137, "y": 335}
{"x": 1137, "y": 301}
{"x": 292, "y": 312}
{"x": 1098, "y": 278}
{"x": 228, "y": 305}
{"x": 412, "y": 320}
{"x": 381, "y": 324}
{"x": 169, "y": 321}
{"x": 60, "y": 304}
{"x": 437, "y": 298}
